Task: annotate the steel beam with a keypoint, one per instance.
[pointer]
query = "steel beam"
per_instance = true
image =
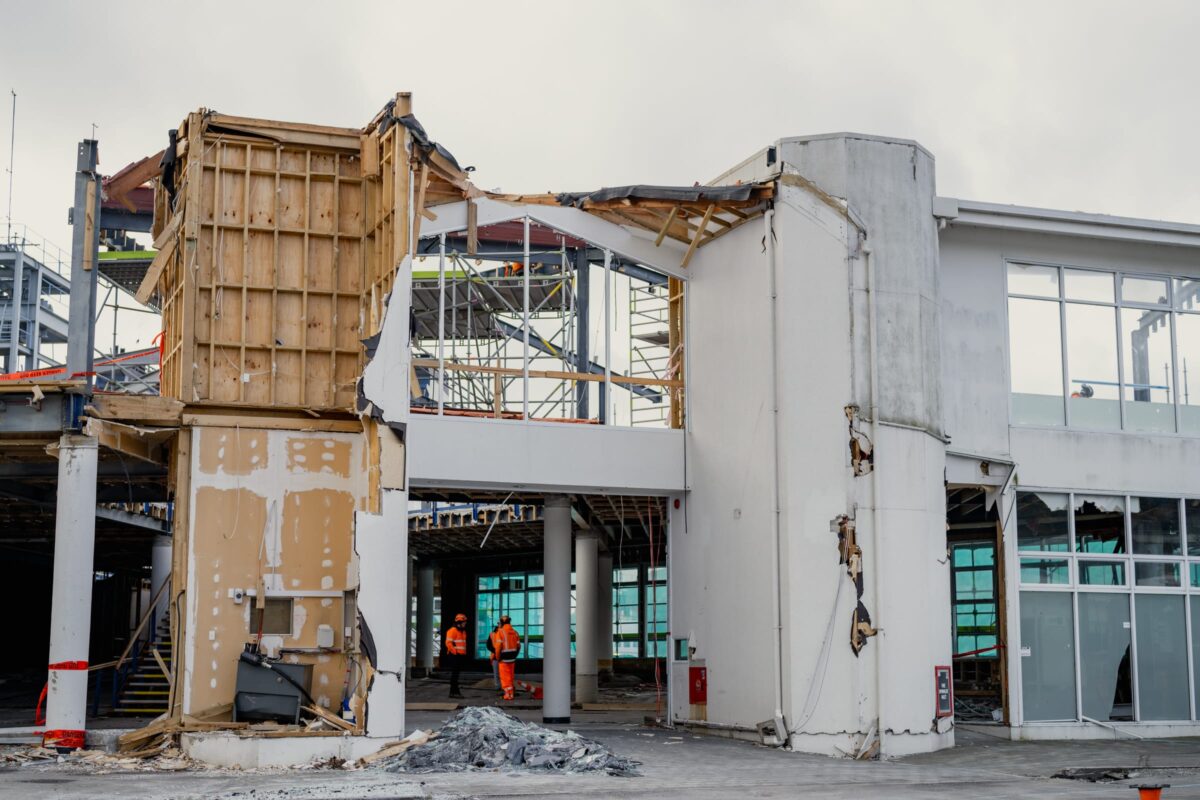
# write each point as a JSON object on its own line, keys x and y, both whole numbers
{"x": 85, "y": 256}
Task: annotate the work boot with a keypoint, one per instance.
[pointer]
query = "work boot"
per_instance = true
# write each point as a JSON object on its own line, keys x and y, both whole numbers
{"x": 456, "y": 695}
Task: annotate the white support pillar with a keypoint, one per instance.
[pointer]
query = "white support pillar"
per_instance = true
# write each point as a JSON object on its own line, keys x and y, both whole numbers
{"x": 586, "y": 616}
{"x": 556, "y": 665}
{"x": 425, "y": 619}
{"x": 71, "y": 608}
{"x": 604, "y": 626}
{"x": 160, "y": 573}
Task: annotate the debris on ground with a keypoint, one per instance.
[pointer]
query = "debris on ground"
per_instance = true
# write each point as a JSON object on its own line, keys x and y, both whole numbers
{"x": 487, "y": 738}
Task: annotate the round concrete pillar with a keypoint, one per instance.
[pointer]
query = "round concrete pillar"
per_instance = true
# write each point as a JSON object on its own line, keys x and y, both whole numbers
{"x": 71, "y": 604}
{"x": 425, "y": 619}
{"x": 587, "y": 616}
{"x": 556, "y": 665}
{"x": 160, "y": 573}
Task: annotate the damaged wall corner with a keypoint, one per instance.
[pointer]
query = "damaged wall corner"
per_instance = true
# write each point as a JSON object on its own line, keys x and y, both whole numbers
{"x": 381, "y": 541}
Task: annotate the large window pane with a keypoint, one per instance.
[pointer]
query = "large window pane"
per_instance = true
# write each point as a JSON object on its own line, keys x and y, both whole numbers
{"x": 1029, "y": 279}
{"x": 1143, "y": 290}
{"x": 1086, "y": 284}
{"x": 1035, "y": 354}
{"x": 1187, "y": 294}
{"x": 1101, "y": 573}
{"x": 1156, "y": 573}
{"x": 1092, "y": 361}
{"x": 1187, "y": 350}
{"x": 1195, "y": 601}
{"x": 1042, "y": 521}
{"x": 1045, "y": 571}
{"x": 1099, "y": 523}
{"x": 1155, "y": 523}
{"x": 1162, "y": 657}
{"x": 1146, "y": 350}
{"x": 1047, "y": 656}
{"x": 1104, "y": 658}
{"x": 1191, "y": 510}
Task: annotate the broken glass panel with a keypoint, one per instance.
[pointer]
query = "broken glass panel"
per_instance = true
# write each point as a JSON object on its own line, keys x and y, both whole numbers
{"x": 1099, "y": 523}
{"x": 1155, "y": 522}
{"x": 1104, "y": 656}
{"x": 1162, "y": 661}
{"x": 1042, "y": 521}
{"x": 1047, "y": 656}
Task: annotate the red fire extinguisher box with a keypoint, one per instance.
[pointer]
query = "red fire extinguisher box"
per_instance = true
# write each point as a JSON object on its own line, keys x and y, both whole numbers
{"x": 697, "y": 683}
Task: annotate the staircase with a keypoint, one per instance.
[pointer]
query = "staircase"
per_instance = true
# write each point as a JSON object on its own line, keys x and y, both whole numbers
{"x": 143, "y": 689}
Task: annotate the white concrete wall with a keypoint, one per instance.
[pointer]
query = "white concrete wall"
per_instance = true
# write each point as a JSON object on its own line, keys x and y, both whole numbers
{"x": 552, "y": 456}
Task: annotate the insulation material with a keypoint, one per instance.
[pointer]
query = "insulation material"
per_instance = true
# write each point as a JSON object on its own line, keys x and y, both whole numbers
{"x": 382, "y": 544}
{"x": 850, "y": 554}
{"x": 257, "y": 532}
{"x": 385, "y": 380}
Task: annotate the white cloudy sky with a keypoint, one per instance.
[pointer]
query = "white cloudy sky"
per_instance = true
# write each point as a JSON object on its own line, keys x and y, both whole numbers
{"x": 1080, "y": 105}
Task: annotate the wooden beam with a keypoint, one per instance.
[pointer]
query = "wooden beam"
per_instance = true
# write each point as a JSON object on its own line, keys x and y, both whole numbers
{"x": 700, "y": 234}
{"x": 139, "y": 409}
{"x": 662, "y": 232}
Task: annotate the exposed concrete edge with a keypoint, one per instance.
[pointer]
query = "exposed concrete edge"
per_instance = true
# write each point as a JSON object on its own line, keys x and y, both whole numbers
{"x": 224, "y": 749}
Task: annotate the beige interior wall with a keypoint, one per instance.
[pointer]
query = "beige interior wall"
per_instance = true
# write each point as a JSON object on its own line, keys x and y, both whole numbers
{"x": 272, "y": 514}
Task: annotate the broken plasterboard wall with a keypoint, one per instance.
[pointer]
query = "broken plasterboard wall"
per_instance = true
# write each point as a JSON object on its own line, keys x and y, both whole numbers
{"x": 271, "y": 516}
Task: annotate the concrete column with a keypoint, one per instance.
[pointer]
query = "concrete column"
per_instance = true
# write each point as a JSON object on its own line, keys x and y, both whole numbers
{"x": 556, "y": 666}
{"x": 71, "y": 606}
{"x": 587, "y": 615}
{"x": 160, "y": 573}
{"x": 604, "y": 628}
{"x": 424, "y": 619}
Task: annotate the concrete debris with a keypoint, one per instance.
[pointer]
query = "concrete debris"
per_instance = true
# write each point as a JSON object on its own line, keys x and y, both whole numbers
{"x": 487, "y": 738}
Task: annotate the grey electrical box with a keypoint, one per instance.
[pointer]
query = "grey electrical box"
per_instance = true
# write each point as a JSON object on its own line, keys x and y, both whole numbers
{"x": 263, "y": 694}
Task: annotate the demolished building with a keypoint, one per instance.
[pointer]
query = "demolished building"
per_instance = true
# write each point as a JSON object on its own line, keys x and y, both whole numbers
{"x": 769, "y": 417}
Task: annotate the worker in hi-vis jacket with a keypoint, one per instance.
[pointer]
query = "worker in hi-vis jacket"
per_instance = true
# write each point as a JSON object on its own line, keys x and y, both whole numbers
{"x": 456, "y": 651}
{"x": 510, "y": 646}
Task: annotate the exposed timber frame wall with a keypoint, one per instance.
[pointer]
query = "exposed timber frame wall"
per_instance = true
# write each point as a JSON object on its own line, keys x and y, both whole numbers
{"x": 262, "y": 242}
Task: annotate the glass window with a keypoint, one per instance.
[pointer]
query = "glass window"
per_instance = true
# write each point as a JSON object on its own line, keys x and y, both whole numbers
{"x": 1143, "y": 290}
{"x": 1043, "y": 570}
{"x": 973, "y": 597}
{"x": 656, "y": 613}
{"x": 1156, "y": 573}
{"x": 626, "y": 613}
{"x": 1191, "y": 510}
{"x": 1187, "y": 351}
{"x": 1099, "y": 523}
{"x": 1187, "y": 294}
{"x": 1162, "y": 657}
{"x": 1101, "y": 573}
{"x": 1092, "y": 364}
{"x": 1195, "y": 601}
{"x": 1105, "y": 673}
{"x": 1029, "y": 279}
{"x": 1146, "y": 338}
{"x": 1047, "y": 656}
{"x": 1086, "y": 284}
{"x": 1042, "y": 521}
{"x": 1155, "y": 523}
{"x": 1195, "y": 569}
{"x": 1035, "y": 354}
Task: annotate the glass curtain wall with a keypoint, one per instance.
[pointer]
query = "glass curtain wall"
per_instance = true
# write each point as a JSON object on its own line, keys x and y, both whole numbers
{"x": 1109, "y": 590}
{"x": 1101, "y": 350}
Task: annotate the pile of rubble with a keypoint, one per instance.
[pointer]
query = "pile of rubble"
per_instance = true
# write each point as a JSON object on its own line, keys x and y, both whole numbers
{"x": 487, "y": 738}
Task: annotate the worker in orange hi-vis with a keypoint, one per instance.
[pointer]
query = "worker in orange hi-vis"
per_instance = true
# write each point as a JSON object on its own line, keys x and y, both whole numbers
{"x": 456, "y": 651}
{"x": 510, "y": 646}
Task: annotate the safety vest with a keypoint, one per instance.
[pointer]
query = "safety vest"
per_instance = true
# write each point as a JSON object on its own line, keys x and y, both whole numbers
{"x": 495, "y": 637}
{"x": 510, "y": 643}
{"x": 456, "y": 642}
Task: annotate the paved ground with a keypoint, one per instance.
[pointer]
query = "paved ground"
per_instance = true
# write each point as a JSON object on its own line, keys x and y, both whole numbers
{"x": 980, "y": 768}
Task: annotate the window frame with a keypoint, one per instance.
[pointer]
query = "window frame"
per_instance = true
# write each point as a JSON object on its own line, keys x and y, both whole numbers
{"x": 1171, "y": 309}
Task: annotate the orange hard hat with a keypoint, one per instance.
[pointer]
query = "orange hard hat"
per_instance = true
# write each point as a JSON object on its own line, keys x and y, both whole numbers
{"x": 460, "y": 617}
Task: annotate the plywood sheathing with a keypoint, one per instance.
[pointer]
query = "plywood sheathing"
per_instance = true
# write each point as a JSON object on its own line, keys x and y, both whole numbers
{"x": 264, "y": 521}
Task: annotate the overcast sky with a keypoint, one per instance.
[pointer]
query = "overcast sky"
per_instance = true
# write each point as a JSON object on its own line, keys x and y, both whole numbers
{"x": 1082, "y": 105}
